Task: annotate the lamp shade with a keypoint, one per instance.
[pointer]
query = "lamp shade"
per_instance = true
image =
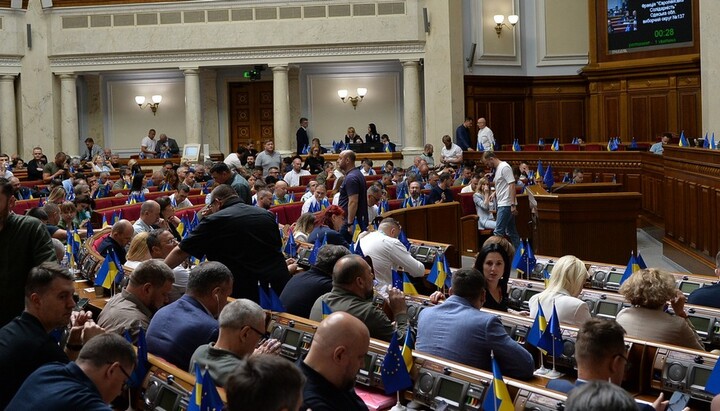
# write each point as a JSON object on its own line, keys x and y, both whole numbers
{"x": 157, "y": 98}
{"x": 342, "y": 93}
{"x": 499, "y": 18}
{"x": 362, "y": 91}
{"x": 513, "y": 19}
{"x": 140, "y": 100}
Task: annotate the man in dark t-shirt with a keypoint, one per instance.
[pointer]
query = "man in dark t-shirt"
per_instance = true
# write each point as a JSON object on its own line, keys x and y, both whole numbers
{"x": 120, "y": 236}
{"x": 441, "y": 193}
{"x": 353, "y": 195}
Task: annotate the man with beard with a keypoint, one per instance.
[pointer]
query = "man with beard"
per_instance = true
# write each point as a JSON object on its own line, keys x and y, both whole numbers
{"x": 336, "y": 354}
{"x": 353, "y": 292}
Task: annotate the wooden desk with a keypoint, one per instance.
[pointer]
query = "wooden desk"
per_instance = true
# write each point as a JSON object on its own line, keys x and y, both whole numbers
{"x": 564, "y": 188}
{"x": 375, "y": 157}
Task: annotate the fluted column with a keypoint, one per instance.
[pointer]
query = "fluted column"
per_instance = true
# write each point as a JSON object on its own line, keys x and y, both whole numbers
{"x": 193, "y": 115}
{"x": 281, "y": 110}
{"x": 69, "y": 134}
{"x": 412, "y": 110}
{"x": 8, "y": 120}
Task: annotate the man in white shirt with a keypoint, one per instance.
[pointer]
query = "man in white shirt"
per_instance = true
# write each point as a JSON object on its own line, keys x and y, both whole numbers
{"x": 505, "y": 196}
{"x": 470, "y": 188}
{"x": 451, "y": 153}
{"x": 374, "y": 196}
{"x": 233, "y": 159}
{"x": 292, "y": 177}
{"x": 147, "y": 145}
{"x": 388, "y": 253}
{"x": 180, "y": 198}
{"x": 485, "y": 135}
{"x": 4, "y": 163}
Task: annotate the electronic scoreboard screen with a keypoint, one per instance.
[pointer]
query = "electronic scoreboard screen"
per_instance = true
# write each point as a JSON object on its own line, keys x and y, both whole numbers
{"x": 641, "y": 25}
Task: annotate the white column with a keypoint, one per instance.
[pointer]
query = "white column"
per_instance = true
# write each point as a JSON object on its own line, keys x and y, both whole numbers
{"x": 8, "y": 120}
{"x": 281, "y": 111}
{"x": 69, "y": 134}
{"x": 412, "y": 111}
{"x": 193, "y": 119}
{"x": 709, "y": 70}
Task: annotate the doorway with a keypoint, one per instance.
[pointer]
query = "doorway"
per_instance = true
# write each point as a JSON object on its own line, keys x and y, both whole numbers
{"x": 250, "y": 113}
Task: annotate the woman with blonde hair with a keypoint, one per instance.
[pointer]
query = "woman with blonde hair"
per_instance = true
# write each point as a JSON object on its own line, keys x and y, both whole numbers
{"x": 566, "y": 283}
{"x": 57, "y": 195}
{"x": 138, "y": 250}
{"x": 483, "y": 198}
{"x": 648, "y": 290}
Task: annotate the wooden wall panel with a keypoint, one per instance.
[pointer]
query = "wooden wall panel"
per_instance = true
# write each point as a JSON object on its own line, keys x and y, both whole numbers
{"x": 689, "y": 113}
{"x": 659, "y": 115}
{"x": 611, "y": 118}
{"x": 639, "y": 116}
{"x": 572, "y": 119}
{"x": 547, "y": 119}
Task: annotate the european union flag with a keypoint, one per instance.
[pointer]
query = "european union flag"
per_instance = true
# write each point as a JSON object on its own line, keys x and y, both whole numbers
{"x": 549, "y": 179}
{"x": 640, "y": 261}
{"x": 555, "y": 332}
{"x": 403, "y": 239}
{"x": 497, "y": 397}
{"x": 358, "y": 250}
{"x": 397, "y": 281}
{"x": 269, "y": 300}
{"x": 402, "y": 192}
{"x": 633, "y": 143}
{"x": 566, "y": 178}
{"x": 517, "y": 258}
{"x": 204, "y": 396}
{"x": 291, "y": 245}
{"x": 479, "y": 147}
{"x": 555, "y": 145}
{"x": 632, "y": 266}
{"x": 316, "y": 249}
{"x": 712, "y": 141}
{"x": 541, "y": 141}
{"x": 90, "y": 231}
{"x": 394, "y": 373}
{"x": 713, "y": 383}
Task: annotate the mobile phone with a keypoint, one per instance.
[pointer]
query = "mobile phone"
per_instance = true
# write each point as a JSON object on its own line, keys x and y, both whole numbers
{"x": 678, "y": 401}
{"x": 81, "y": 304}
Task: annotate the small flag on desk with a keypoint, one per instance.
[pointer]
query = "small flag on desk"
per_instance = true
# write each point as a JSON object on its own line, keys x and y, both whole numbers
{"x": 553, "y": 328}
{"x": 497, "y": 397}
{"x": 440, "y": 274}
{"x": 683, "y": 140}
{"x": 537, "y": 336}
{"x": 407, "y": 286}
{"x": 395, "y": 376}
{"x": 407, "y": 349}
{"x": 110, "y": 271}
{"x": 632, "y": 266}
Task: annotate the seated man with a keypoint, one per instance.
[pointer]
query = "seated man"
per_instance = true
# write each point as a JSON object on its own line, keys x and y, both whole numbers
{"x": 179, "y": 199}
{"x": 265, "y": 382}
{"x": 160, "y": 243}
{"x": 119, "y": 238}
{"x": 149, "y": 217}
{"x": 303, "y": 289}
{"x": 709, "y": 295}
{"x": 353, "y": 293}
{"x": 388, "y": 253}
{"x": 458, "y": 331}
{"x": 148, "y": 290}
{"x": 577, "y": 176}
{"x": 264, "y": 199}
{"x": 336, "y": 354}
{"x": 292, "y": 177}
{"x": 441, "y": 193}
{"x": 242, "y": 326}
{"x": 26, "y": 343}
{"x": 280, "y": 194}
{"x": 177, "y": 329}
{"x": 97, "y": 377}
{"x": 601, "y": 355}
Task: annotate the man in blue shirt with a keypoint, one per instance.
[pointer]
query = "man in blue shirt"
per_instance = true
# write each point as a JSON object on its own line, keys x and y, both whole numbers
{"x": 458, "y": 331}
{"x": 462, "y": 134}
{"x": 708, "y": 296}
{"x": 178, "y": 329}
{"x": 353, "y": 194}
{"x": 97, "y": 377}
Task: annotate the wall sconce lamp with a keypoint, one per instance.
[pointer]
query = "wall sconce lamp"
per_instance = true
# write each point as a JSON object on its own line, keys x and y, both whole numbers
{"x": 500, "y": 22}
{"x": 156, "y": 99}
{"x": 361, "y": 92}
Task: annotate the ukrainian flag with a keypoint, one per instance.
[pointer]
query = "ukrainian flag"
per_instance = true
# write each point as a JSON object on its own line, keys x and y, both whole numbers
{"x": 196, "y": 395}
{"x": 536, "y": 336}
{"x": 516, "y": 146}
{"x": 408, "y": 287}
{"x": 539, "y": 173}
{"x": 109, "y": 271}
{"x": 438, "y": 275}
{"x": 683, "y": 140}
{"x": 497, "y": 397}
{"x": 632, "y": 266}
{"x": 407, "y": 349}
{"x": 104, "y": 222}
{"x": 326, "y": 311}
{"x": 546, "y": 277}
{"x": 356, "y": 231}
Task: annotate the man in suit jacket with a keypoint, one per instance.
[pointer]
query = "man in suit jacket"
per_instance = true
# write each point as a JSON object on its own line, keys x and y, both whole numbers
{"x": 601, "y": 355}
{"x": 708, "y": 296}
{"x": 167, "y": 144}
{"x": 302, "y": 136}
{"x": 458, "y": 331}
{"x": 178, "y": 329}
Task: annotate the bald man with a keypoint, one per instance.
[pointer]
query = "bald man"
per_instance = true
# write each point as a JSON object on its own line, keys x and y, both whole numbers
{"x": 336, "y": 354}
{"x": 120, "y": 236}
{"x": 149, "y": 217}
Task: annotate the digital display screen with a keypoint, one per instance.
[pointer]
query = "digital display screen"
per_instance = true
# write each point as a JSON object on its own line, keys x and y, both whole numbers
{"x": 450, "y": 390}
{"x": 687, "y": 287}
{"x": 635, "y": 25}
{"x": 701, "y": 324}
{"x": 615, "y": 278}
{"x": 700, "y": 376}
{"x": 549, "y": 268}
{"x": 292, "y": 338}
{"x": 606, "y": 308}
{"x": 422, "y": 251}
{"x": 166, "y": 400}
{"x": 368, "y": 364}
{"x": 191, "y": 151}
{"x": 530, "y": 293}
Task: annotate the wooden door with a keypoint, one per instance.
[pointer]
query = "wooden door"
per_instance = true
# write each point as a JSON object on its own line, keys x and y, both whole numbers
{"x": 251, "y": 113}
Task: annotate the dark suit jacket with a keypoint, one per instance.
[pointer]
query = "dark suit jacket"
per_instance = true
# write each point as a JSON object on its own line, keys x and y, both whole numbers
{"x": 302, "y": 139}
{"x": 708, "y": 296}
{"x": 171, "y": 144}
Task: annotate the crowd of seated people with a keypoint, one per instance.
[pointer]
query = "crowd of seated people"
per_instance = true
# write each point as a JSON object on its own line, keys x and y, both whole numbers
{"x": 159, "y": 299}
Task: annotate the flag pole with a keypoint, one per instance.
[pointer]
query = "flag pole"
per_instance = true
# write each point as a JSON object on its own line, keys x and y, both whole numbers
{"x": 492, "y": 359}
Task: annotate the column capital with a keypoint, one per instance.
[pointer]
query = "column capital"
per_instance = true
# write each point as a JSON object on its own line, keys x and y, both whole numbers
{"x": 67, "y": 76}
{"x": 7, "y": 77}
{"x": 279, "y": 67}
{"x": 191, "y": 71}
{"x": 410, "y": 63}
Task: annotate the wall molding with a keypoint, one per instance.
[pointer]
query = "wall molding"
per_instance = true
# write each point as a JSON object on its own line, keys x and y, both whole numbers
{"x": 484, "y": 58}
{"x": 545, "y": 59}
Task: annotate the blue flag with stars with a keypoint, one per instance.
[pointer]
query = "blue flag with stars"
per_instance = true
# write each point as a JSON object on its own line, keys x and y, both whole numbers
{"x": 394, "y": 373}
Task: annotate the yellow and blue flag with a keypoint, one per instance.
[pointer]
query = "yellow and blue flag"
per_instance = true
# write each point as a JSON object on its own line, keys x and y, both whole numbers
{"x": 632, "y": 266}
{"x": 555, "y": 332}
{"x": 540, "y": 172}
{"x": 407, "y": 349}
{"x": 326, "y": 311}
{"x": 356, "y": 231}
{"x": 440, "y": 274}
{"x": 497, "y": 397}
{"x": 110, "y": 271}
{"x": 105, "y": 222}
{"x": 683, "y": 142}
{"x": 537, "y": 336}
{"x": 546, "y": 277}
{"x": 394, "y": 373}
{"x": 204, "y": 396}
{"x": 140, "y": 371}
{"x": 516, "y": 146}
{"x": 408, "y": 287}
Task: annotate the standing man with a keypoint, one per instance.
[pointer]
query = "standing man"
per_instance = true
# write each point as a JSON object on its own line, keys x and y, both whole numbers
{"x": 505, "y": 197}
{"x": 24, "y": 243}
{"x": 485, "y": 135}
{"x": 353, "y": 194}
{"x": 268, "y": 158}
{"x": 36, "y": 165}
{"x": 462, "y": 134}
{"x": 258, "y": 259}
{"x": 221, "y": 173}
{"x": 302, "y": 136}
{"x": 91, "y": 150}
{"x": 166, "y": 144}
{"x": 147, "y": 145}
